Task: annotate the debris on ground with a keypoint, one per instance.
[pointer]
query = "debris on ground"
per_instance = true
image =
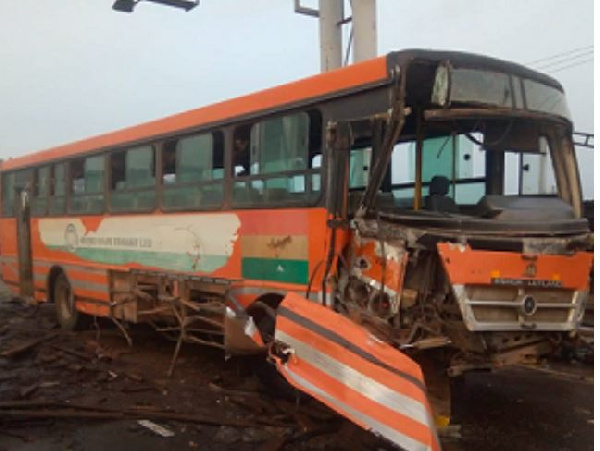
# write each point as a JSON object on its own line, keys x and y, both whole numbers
{"x": 87, "y": 391}
{"x": 50, "y": 376}
{"x": 156, "y": 428}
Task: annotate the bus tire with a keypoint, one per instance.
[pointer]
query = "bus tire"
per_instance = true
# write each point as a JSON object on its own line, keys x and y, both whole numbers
{"x": 64, "y": 303}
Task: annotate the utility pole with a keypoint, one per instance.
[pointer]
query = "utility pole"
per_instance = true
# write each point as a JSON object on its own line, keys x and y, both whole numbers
{"x": 364, "y": 27}
{"x": 331, "y": 15}
{"x": 331, "y": 19}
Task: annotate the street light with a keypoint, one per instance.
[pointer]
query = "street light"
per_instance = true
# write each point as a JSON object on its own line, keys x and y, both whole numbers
{"x": 127, "y": 6}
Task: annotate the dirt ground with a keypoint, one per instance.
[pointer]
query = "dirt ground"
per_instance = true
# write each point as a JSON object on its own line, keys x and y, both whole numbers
{"x": 88, "y": 390}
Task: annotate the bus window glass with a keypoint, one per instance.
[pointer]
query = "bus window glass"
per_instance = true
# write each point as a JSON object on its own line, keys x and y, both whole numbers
{"x": 193, "y": 161}
{"x": 280, "y": 144}
{"x": 57, "y": 189}
{"x": 456, "y": 158}
{"x": 360, "y": 164}
{"x": 403, "y": 174}
{"x": 41, "y": 189}
{"x": 241, "y": 151}
{"x": 537, "y": 173}
{"x": 469, "y": 170}
{"x": 518, "y": 92}
{"x": 11, "y": 183}
{"x": 471, "y": 85}
{"x": 529, "y": 174}
{"x": 316, "y": 162}
{"x": 264, "y": 151}
{"x": 540, "y": 97}
{"x": 193, "y": 171}
{"x": 437, "y": 159}
{"x": 8, "y": 194}
{"x": 132, "y": 180}
{"x": 469, "y": 193}
{"x": 87, "y": 188}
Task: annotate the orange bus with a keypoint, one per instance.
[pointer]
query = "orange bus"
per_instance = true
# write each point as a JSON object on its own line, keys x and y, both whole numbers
{"x": 432, "y": 197}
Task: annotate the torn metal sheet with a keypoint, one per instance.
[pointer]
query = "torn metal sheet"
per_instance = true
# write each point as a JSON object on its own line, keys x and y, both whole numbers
{"x": 241, "y": 334}
{"x": 362, "y": 378}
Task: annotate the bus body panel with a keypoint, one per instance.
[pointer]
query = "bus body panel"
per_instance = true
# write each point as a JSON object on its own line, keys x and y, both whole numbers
{"x": 263, "y": 250}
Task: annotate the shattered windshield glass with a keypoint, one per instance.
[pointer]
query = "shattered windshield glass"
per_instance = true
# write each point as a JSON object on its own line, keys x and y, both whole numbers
{"x": 496, "y": 89}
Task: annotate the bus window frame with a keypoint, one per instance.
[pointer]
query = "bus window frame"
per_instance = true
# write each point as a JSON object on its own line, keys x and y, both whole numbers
{"x": 69, "y": 183}
{"x": 108, "y": 181}
{"x": 306, "y": 200}
{"x": 228, "y": 180}
{"x": 51, "y": 196}
{"x": 160, "y": 182}
{"x": 35, "y": 197}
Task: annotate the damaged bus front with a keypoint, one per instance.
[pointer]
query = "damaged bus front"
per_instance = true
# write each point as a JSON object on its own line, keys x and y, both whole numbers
{"x": 462, "y": 213}
{"x": 455, "y": 217}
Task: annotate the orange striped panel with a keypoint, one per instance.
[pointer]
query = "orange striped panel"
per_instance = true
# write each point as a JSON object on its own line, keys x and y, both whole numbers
{"x": 345, "y": 367}
{"x": 377, "y": 373}
{"x": 85, "y": 282}
{"x": 352, "y": 334}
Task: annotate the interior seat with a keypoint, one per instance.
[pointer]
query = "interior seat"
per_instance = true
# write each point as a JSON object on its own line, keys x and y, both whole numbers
{"x": 438, "y": 199}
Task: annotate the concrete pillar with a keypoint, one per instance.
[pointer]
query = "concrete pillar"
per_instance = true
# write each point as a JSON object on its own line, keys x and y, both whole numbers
{"x": 331, "y": 13}
{"x": 364, "y": 20}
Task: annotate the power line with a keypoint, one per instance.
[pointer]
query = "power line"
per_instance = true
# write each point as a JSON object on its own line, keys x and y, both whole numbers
{"x": 560, "y": 61}
{"x": 569, "y": 66}
{"x": 578, "y": 49}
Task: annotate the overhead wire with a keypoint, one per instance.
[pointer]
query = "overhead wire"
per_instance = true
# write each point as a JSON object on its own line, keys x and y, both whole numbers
{"x": 569, "y": 66}
{"x": 558, "y": 55}
{"x": 561, "y": 61}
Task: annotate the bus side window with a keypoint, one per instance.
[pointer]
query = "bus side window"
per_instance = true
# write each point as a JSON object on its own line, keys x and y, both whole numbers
{"x": 274, "y": 160}
{"x": 193, "y": 172}
{"x": 403, "y": 174}
{"x": 241, "y": 151}
{"x": 8, "y": 194}
{"x": 40, "y": 191}
{"x": 360, "y": 165}
{"x": 132, "y": 181}
{"x": 87, "y": 185}
{"x": 57, "y": 201}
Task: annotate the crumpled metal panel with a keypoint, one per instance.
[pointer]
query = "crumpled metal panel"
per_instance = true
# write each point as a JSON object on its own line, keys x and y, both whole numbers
{"x": 241, "y": 334}
{"x": 342, "y": 365}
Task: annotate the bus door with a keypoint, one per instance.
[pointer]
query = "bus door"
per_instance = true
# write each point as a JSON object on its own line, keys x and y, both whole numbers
{"x": 23, "y": 222}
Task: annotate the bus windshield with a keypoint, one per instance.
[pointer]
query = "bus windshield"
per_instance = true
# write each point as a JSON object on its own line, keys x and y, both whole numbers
{"x": 457, "y": 167}
{"x": 455, "y": 86}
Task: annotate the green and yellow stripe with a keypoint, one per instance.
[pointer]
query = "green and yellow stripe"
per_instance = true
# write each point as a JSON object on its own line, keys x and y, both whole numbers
{"x": 280, "y": 258}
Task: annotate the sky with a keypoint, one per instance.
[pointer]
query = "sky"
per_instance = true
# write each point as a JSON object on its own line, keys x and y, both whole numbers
{"x": 76, "y": 68}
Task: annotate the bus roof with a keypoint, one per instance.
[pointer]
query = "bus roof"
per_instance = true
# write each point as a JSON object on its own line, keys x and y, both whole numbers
{"x": 355, "y": 77}
{"x": 402, "y": 58}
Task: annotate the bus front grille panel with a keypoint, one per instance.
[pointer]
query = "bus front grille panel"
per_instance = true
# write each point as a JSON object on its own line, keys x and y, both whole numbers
{"x": 486, "y": 307}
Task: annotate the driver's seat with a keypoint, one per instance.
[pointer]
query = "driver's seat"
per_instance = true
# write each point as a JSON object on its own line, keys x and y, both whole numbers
{"x": 438, "y": 199}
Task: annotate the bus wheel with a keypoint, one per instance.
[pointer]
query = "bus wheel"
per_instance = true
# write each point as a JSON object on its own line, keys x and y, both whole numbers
{"x": 64, "y": 302}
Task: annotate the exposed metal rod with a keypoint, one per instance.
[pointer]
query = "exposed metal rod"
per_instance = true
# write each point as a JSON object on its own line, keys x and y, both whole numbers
{"x": 583, "y": 139}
